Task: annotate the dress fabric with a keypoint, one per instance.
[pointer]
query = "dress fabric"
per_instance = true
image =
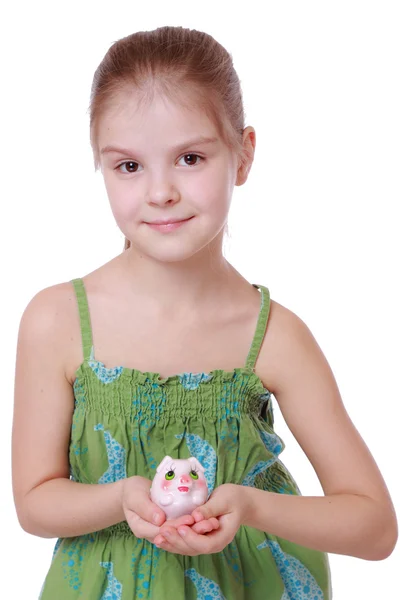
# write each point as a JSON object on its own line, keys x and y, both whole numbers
{"x": 124, "y": 422}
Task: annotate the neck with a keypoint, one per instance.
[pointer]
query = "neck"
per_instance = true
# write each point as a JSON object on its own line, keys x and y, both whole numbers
{"x": 193, "y": 283}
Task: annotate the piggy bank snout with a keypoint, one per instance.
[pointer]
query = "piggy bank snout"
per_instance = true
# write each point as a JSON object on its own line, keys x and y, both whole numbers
{"x": 184, "y": 479}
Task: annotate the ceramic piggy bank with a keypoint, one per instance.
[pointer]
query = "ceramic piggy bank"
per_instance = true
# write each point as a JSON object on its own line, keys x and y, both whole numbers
{"x": 179, "y": 486}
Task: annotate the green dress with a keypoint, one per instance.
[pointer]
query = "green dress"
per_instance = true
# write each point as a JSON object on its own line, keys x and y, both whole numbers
{"x": 125, "y": 421}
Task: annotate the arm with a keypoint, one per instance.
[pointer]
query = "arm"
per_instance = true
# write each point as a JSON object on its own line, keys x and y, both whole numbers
{"x": 48, "y": 503}
{"x": 356, "y": 516}
{"x": 64, "y": 508}
{"x": 338, "y": 523}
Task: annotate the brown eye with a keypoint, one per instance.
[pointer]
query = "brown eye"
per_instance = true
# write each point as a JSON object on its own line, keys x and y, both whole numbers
{"x": 192, "y": 159}
{"x": 129, "y": 164}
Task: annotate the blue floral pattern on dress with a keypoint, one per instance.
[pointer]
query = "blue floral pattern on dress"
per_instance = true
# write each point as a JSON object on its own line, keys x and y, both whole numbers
{"x": 299, "y": 583}
{"x": 114, "y": 587}
{"x": 272, "y": 442}
{"x": 144, "y": 566}
{"x": 191, "y": 381}
{"x": 116, "y": 458}
{"x": 102, "y": 373}
{"x": 206, "y": 588}
{"x": 260, "y": 467}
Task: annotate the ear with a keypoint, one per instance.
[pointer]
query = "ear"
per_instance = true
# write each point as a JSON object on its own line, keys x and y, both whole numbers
{"x": 194, "y": 463}
{"x": 249, "y": 146}
{"x": 162, "y": 465}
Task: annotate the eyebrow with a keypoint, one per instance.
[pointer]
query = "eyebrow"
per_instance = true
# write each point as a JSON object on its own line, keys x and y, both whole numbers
{"x": 194, "y": 142}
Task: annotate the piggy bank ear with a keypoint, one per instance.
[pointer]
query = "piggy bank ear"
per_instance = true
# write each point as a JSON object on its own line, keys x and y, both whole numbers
{"x": 163, "y": 463}
{"x": 195, "y": 464}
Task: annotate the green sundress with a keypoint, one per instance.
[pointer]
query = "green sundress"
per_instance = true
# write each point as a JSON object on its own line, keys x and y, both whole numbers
{"x": 125, "y": 421}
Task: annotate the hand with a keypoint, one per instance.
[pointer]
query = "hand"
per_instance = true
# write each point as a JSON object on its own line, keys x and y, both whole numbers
{"x": 144, "y": 517}
{"x": 202, "y": 527}
{"x": 228, "y": 504}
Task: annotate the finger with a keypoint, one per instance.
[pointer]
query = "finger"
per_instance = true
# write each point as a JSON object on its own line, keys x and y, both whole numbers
{"x": 148, "y": 510}
{"x": 140, "y": 527}
{"x": 175, "y": 523}
{"x": 216, "y": 505}
{"x": 202, "y": 527}
{"x": 183, "y": 520}
{"x": 171, "y": 541}
{"x": 200, "y": 544}
{"x": 206, "y": 525}
{"x": 137, "y": 497}
{"x": 163, "y": 544}
{"x": 198, "y": 515}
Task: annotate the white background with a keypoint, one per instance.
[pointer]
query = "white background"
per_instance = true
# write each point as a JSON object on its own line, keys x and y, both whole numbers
{"x": 317, "y": 221}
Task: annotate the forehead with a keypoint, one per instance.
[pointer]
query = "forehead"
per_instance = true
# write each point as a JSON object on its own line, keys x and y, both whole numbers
{"x": 131, "y": 116}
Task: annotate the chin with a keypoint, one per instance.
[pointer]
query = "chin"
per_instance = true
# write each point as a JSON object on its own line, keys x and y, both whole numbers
{"x": 174, "y": 257}
{"x": 172, "y": 253}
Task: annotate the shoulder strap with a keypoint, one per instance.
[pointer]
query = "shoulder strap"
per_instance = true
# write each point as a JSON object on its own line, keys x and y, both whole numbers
{"x": 86, "y": 329}
{"x": 261, "y": 326}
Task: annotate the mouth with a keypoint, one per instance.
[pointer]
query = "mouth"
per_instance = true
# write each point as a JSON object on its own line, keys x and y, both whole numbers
{"x": 166, "y": 226}
{"x": 183, "y": 488}
{"x": 167, "y": 221}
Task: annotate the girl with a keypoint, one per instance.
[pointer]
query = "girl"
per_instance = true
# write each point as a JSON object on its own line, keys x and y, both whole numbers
{"x": 137, "y": 360}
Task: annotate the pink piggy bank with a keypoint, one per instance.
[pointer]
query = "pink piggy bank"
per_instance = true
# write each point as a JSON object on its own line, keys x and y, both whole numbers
{"x": 179, "y": 486}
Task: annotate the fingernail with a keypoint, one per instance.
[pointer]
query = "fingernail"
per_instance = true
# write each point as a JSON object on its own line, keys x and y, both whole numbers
{"x": 166, "y": 534}
{"x": 156, "y": 518}
{"x": 182, "y": 532}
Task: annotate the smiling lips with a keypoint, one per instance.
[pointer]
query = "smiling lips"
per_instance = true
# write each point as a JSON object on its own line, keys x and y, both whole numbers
{"x": 167, "y": 221}
{"x": 183, "y": 488}
{"x": 166, "y": 227}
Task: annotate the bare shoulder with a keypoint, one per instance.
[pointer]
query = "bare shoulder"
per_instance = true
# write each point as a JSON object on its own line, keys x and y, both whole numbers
{"x": 47, "y": 303}
{"x": 293, "y": 357}
{"x": 50, "y": 318}
{"x": 295, "y": 369}
{"x": 285, "y": 330}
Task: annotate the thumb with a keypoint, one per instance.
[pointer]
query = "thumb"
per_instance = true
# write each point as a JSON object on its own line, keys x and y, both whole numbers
{"x": 150, "y": 511}
{"x": 139, "y": 500}
{"x": 156, "y": 515}
{"x": 214, "y": 507}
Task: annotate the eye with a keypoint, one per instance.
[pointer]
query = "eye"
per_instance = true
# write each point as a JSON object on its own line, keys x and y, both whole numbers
{"x": 127, "y": 162}
{"x": 194, "y": 475}
{"x": 170, "y": 475}
{"x": 191, "y": 155}
{"x": 130, "y": 168}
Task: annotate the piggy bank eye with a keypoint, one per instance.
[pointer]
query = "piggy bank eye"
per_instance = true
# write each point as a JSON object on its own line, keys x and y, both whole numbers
{"x": 169, "y": 475}
{"x": 194, "y": 475}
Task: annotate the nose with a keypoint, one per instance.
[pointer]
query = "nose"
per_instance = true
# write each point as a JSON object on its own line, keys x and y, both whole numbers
{"x": 184, "y": 479}
{"x": 161, "y": 191}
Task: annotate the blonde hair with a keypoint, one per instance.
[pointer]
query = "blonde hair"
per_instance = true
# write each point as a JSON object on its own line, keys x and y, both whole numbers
{"x": 171, "y": 60}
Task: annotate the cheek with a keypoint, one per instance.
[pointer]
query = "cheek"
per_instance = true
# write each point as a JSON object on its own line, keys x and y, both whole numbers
{"x": 165, "y": 484}
{"x": 201, "y": 483}
{"x": 121, "y": 198}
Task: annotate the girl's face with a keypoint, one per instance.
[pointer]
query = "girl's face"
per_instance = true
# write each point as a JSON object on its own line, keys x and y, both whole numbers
{"x": 156, "y": 166}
